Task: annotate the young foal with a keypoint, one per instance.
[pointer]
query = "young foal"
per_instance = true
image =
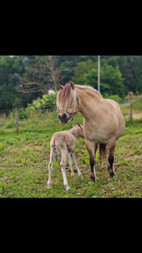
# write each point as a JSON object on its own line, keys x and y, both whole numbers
{"x": 65, "y": 143}
{"x": 103, "y": 120}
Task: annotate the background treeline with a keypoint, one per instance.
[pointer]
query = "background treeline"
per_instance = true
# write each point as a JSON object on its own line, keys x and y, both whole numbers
{"x": 25, "y": 78}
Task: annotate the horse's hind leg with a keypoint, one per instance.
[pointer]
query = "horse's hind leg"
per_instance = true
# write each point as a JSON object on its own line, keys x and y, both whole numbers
{"x": 111, "y": 160}
{"x": 103, "y": 154}
{"x": 91, "y": 149}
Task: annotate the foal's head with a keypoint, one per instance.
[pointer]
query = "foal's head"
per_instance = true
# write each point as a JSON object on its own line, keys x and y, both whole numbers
{"x": 67, "y": 102}
{"x": 79, "y": 130}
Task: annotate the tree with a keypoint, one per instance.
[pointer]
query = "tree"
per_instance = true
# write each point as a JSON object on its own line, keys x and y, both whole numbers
{"x": 130, "y": 67}
{"x": 111, "y": 78}
{"x": 10, "y": 68}
{"x": 82, "y": 69}
{"x": 41, "y": 75}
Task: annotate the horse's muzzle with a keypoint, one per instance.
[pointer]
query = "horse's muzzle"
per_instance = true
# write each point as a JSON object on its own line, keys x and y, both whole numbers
{"x": 64, "y": 117}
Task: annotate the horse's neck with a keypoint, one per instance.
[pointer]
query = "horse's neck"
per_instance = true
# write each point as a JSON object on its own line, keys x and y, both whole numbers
{"x": 89, "y": 102}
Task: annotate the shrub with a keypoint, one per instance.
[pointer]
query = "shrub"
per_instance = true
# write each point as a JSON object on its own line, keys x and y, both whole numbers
{"x": 22, "y": 114}
{"x": 46, "y": 103}
{"x": 114, "y": 97}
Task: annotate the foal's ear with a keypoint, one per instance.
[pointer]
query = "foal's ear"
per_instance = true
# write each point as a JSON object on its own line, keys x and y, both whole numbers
{"x": 72, "y": 85}
{"x": 78, "y": 124}
{"x": 60, "y": 86}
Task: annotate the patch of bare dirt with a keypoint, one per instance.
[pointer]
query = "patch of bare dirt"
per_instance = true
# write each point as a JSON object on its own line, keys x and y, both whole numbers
{"x": 135, "y": 116}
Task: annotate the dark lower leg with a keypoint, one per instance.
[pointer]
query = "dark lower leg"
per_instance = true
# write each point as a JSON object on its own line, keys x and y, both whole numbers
{"x": 110, "y": 167}
{"x": 92, "y": 166}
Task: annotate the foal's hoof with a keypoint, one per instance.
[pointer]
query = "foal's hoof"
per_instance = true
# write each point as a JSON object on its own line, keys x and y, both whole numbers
{"x": 68, "y": 188}
{"x": 81, "y": 176}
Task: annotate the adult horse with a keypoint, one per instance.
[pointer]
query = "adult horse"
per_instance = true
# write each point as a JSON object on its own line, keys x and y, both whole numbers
{"x": 103, "y": 120}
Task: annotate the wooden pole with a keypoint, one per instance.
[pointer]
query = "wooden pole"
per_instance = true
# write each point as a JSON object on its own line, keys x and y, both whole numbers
{"x": 130, "y": 102}
{"x": 99, "y": 73}
{"x": 16, "y": 117}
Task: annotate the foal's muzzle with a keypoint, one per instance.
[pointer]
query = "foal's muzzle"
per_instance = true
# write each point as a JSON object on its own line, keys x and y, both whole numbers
{"x": 64, "y": 117}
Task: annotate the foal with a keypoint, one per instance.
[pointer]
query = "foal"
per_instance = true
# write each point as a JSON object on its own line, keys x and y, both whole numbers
{"x": 64, "y": 142}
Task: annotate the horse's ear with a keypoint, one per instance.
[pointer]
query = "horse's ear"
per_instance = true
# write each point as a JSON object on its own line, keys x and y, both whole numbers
{"x": 78, "y": 124}
{"x": 72, "y": 85}
{"x": 60, "y": 86}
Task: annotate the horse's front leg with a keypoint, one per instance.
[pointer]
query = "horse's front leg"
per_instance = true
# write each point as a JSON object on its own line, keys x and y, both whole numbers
{"x": 91, "y": 149}
{"x": 111, "y": 147}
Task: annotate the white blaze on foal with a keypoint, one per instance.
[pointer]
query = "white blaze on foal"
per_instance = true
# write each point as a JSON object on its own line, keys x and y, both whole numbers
{"x": 64, "y": 142}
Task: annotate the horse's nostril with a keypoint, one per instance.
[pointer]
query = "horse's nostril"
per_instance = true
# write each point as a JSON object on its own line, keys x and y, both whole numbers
{"x": 64, "y": 116}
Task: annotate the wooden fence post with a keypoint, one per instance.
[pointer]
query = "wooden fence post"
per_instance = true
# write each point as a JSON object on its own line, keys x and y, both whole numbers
{"x": 16, "y": 117}
{"x": 130, "y": 102}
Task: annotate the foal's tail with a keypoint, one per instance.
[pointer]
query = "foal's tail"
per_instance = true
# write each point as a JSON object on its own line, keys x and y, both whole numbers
{"x": 55, "y": 151}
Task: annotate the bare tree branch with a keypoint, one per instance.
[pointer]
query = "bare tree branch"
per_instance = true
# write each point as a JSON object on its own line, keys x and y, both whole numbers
{"x": 41, "y": 74}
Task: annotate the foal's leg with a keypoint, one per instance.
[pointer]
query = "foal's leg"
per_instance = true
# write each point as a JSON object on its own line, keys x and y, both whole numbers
{"x": 70, "y": 163}
{"x": 76, "y": 165}
{"x": 50, "y": 165}
{"x": 91, "y": 149}
{"x": 63, "y": 169}
{"x": 111, "y": 159}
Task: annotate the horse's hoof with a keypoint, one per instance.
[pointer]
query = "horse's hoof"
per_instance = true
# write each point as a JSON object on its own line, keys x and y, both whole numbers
{"x": 93, "y": 179}
{"x": 112, "y": 174}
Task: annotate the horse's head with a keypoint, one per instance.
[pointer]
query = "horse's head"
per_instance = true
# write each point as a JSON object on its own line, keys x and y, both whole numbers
{"x": 67, "y": 102}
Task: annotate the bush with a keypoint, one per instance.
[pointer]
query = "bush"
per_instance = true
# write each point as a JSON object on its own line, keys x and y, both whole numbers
{"x": 114, "y": 97}
{"x": 22, "y": 114}
{"x": 46, "y": 103}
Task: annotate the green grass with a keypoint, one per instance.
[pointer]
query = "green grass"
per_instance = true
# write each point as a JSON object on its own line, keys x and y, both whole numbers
{"x": 136, "y": 105}
{"x": 24, "y": 158}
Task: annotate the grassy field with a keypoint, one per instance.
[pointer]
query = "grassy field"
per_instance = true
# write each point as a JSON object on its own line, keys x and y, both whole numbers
{"x": 24, "y": 158}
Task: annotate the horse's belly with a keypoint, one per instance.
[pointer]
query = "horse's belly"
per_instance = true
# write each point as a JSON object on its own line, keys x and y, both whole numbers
{"x": 100, "y": 134}
{"x": 97, "y": 136}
